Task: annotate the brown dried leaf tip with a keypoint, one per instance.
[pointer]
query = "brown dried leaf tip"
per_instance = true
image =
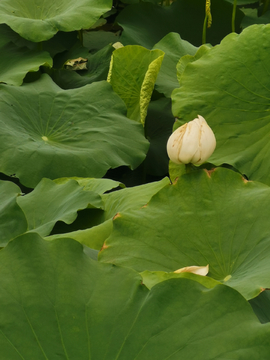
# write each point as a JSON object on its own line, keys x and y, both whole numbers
{"x": 104, "y": 246}
{"x": 144, "y": 206}
{"x": 209, "y": 172}
{"x": 116, "y": 216}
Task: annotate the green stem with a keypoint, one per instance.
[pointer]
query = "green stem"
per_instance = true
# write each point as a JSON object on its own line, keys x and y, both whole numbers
{"x": 167, "y": 3}
{"x": 204, "y": 30}
{"x": 80, "y": 35}
{"x": 233, "y": 15}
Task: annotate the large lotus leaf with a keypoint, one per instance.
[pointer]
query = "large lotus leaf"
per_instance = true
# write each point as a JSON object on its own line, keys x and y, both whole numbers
{"x": 124, "y": 200}
{"x": 12, "y": 218}
{"x": 204, "y": 218}
{"x": 56, "y": 302}
{"x": 16, "y": 62}
{"x": 174, "y": 48}
{"x": 133, "y": 73}
{"x": 50, "y": 132}
{"x": 50, "y": 202}
{"x": 97, "y": 68}
{"x": 145, "y": 24}
{"x": 229, "y": 87}
{"x": 37, "y": 20}
{"x": 186, "y": 59}
{"x": 261, "y": 306}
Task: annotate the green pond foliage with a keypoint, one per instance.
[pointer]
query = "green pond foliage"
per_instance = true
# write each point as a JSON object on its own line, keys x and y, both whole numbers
{"x": 99, "y": 231}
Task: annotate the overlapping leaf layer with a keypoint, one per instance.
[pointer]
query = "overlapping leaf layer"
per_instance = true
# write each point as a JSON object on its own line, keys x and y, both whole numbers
{"x": 99, "y": 233}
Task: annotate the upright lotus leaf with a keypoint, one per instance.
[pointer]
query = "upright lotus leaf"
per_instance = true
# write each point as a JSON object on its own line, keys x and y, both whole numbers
{"x": 16, "y": 62}
{"x": 50, "y": 202}
{"x": 146, "y": 24}
{"x": 229, "y": 87}
{"x": 124, "y": 200}
{"x": 37, "y": 20}
{"x": 174, "y": 48}
{"x": 50, "y": 132}
{"x": 56, "y": 302}
{"x": 12, "y": 218}
{"x": 133, "y": 72}
{"x": 216, "y": 218}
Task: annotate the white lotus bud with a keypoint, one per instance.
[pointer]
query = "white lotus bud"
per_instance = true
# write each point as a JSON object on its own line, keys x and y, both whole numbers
{"x": 193, "y": 142}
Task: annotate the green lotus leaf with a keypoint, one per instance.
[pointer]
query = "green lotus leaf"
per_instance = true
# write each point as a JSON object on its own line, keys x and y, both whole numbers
{"x": 124, "y": 200}
{"x": 229, "y": 87}
{"x": 186, "y": 59}
{"x": 50, "y": 202}
{"x": 12, "y": 218}
{"x": 60, "y": 42}
{"x": 59, "y": 303}
{"x": 146, "y": 24}
{"x": 133, "y": 72}
{"x": 7, "y": 35}
{"x": 40, "y": 20}
{"x": 151, "y": 278}
{"x": 174, "y": 48}
{"x": 204, "y": 218}
{"x": 261, "y": 306}
{"x": 97, "y": 40}
{"x": 99, "y": 186}
{"x": 63, "y": 133}
{"x": 16, "y": 62}
{"x": 252, "y": 17}
{"x": 97, "y": 68}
